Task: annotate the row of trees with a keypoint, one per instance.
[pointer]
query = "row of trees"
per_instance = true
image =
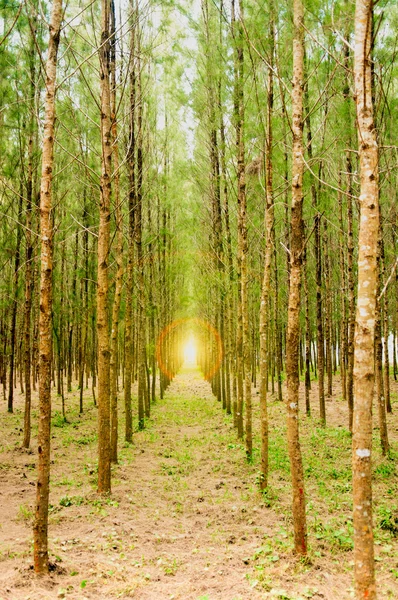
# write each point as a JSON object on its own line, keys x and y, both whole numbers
{"x": 92, "y": 269}
{"x": 199, "y": 178}
{"x": 311, "y": 258}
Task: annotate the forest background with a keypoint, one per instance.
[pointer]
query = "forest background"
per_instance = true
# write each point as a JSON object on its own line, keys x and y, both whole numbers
{"x": 202, "y": 176}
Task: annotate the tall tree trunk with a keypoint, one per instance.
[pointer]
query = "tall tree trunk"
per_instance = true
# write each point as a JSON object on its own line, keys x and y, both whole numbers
{"x": 40, "y": 525}
{"x": 350, "y": 235}
{"x": 366, "y": 304}
{"x": 343, "y": 303}
{"x": 28, "y": 238}
{"x": 296, "y": 251}
{"x": 15, "y": 306}
{"x": 104, "y": 462}
{"x": 143, "y": 407}
{"x": 242, "y": 231}
{"x": 328, "y": 314}
{"x": 229, "y": 271}
{"x": 238, "y": 105}
{"x": 269, "y": 250}
{"x": 119, "y": 248}
{"x": 318, "y": 274}
{"x": 131, "y": 244}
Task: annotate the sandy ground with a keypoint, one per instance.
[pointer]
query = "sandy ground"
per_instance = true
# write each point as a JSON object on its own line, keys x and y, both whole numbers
{"x": 186, "y": 519}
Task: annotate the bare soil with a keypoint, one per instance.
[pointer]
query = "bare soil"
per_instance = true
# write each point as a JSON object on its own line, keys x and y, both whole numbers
{"x": 186, "y": 519}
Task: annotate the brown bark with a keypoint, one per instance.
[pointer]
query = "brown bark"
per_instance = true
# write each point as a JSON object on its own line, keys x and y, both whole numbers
{"x": 119, "y": 249}
{"x": 245, "y": 374}
{"x": 40, "y": 526}
{"x": 296, "y": 250}
{"x": 15, "y": 307}
{"x": 104, "y": 462}
{"x": 343, "y": 303}
{"x": 130, "y": 264}
{"x": 143, "y": 405}
{"x": 366, "y": 304}
{"x": 238, "y": 106}
{"x": 350, "y": 240}
{"x": 229, "y": 272}
{"x": 83, "y": 362}
{"x": 328, "y": 315}
{"x": 28, "y": 238}
{"x": 269, "y": 250}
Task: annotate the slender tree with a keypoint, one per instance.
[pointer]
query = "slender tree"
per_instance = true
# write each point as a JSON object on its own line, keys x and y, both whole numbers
{"x": 269, "y": 251}
{"x": 104, "y": 462}
{"x": 296, "y": 254}
{"x": 364, "y": 369}
{"x": 40, "y": 526}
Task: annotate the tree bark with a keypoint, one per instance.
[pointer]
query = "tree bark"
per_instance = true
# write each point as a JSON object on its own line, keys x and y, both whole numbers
{"x": 40, "y": 526}
{"x": 269, "y": 250}
{"x": 119, "y": 249}
{"x": 131, "y": 245}
{"x": 104, "y": 462}
{"x": 296, "y": 251}
{"x": 366, "y": 305}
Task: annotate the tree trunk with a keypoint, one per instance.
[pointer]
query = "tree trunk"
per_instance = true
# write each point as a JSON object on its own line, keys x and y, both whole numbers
{"x": 269, "y": 250}
{"x": 131, "y": 244}
{"x": 40, "y": 526}
{"x": 143, "y": 407}
{"x": 28, "y": 237}
{"x": 296, "y": 251}
{"x": 104, "y": 462}
{"x": 119, "y": 249}
{"x": 366, "y": 301}
{"x": 15, "y": 306}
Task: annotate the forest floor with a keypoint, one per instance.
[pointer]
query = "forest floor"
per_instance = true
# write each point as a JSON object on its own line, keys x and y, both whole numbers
{"x": 186, "y": 519}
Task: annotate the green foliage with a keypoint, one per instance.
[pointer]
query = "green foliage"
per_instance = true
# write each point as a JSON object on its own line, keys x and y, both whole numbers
{"x": 388, "y": 519}
{"x": 71, "y": 501}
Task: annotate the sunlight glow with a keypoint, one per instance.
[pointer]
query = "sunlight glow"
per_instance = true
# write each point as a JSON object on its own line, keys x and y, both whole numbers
{"x": 190, "y": 352}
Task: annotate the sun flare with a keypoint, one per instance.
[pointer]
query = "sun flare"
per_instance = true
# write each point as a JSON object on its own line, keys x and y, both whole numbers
{"x": 190, "y": 352}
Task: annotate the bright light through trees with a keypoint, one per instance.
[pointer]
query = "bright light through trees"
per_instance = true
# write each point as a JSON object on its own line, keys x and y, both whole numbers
{"x": 190, "y": 352}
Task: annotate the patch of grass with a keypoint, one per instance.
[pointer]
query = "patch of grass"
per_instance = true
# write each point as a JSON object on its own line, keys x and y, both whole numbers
{"x": 335, "y": 537}
{"x": 71, "y": 500}
{"x": 58, "y": 420}
{"x": 385, "y": 469}
{"x": 25, "y": 513}
{"x": 171, "y": 567}
{"x": 86, "y": 440}
{"x": 68, "y": 482}
{"x": 388, "y": 519}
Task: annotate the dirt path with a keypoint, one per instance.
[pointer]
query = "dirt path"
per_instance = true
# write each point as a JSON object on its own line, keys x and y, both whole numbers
{"x": 185, "y": 519}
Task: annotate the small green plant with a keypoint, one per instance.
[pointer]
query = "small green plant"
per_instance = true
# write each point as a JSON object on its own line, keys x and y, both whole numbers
{"x": 58, "y": 420}
{"x": 338, "y": 538}
{"x": 385, "y": 469}
{"x": 170, "y": 568}
{"x": 25, "y": 513}
{"x": 388, "y": 520}
{"x": 70, "y": 500}
{"x": 99, "y": 502}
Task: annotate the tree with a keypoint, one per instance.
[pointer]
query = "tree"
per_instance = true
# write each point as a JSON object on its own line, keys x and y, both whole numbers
{"x": 366, "y": 304}
{"x": 269, "y": 251}
{"x": 104, "y": 457}
{"x": 40, "y": 526}
{"x": 296, "y": 254}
